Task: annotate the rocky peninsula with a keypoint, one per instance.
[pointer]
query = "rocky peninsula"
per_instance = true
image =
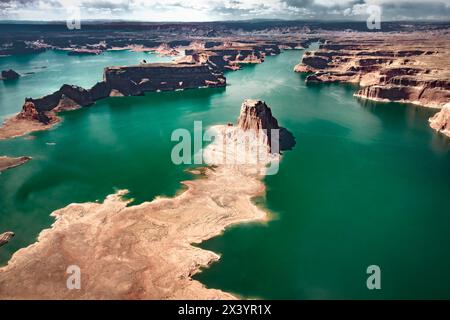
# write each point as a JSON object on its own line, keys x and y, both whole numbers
{"x": 410, "y": 67}
{"x": 8, "y": 162}
{"x": 145, "y": 251}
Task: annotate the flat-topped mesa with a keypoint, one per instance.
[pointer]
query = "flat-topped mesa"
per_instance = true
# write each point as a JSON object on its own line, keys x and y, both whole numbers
{"x": 161, "y": 76}
{"x": 122, "y": 81}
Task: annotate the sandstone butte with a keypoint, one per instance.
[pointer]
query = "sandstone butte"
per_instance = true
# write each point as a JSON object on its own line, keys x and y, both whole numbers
{"x": 406, "y": 67}
{"x": 146, "y": 251}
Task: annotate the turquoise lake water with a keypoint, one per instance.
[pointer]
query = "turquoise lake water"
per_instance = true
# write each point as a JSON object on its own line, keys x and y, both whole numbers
{"x": 367, "y": 183}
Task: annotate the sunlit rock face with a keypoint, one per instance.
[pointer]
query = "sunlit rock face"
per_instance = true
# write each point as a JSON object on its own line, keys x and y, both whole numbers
{"x": 388, "y": 67}
{"x": 256, "y": 115}
{"x": 441, "y": 120}
{"x": 257, "y": 139}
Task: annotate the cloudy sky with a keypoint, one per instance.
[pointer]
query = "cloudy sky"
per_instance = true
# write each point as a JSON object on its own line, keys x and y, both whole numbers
{"x": 208, "y": 10}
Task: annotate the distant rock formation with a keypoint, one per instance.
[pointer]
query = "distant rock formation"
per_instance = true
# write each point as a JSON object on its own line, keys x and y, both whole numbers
{"x": 135, "y": 80}
{"x": 441, "y": 120}
{"x": 231, "y": 55}
{"x": 386, "y": 68}
{"x": 10, "y": 75}
{"x": 84, "y": 52}
{"x": 203, "y": 66}
{"x": 6, "y": 237}
{"x": 165, "y": 50}
{"x": 122, "y": 81}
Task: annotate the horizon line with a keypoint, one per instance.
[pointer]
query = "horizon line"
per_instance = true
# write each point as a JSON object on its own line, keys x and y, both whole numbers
{"x": 218, "y": 21}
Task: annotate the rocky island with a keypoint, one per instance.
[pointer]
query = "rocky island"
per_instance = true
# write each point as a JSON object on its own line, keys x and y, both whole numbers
{"x": 145, "y": 251}
{"x": 9, "y": 75}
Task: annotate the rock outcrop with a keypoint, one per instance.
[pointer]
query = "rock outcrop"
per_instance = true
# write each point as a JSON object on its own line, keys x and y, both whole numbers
{"x": 441, "y": 120}
{"x": 8, "y": 162}
{"x": 231, "y": 55}
{"x": 135, "y": 80}
{"x": 227, "y": 57}
{"x": 6, "y": 237}
{"x": 256, "y": 115}
{"x": 202, "y": 66}
{"x": 388, "y": 67}
{"x": 122, "y": 81}
{"x": 9, "y": 75}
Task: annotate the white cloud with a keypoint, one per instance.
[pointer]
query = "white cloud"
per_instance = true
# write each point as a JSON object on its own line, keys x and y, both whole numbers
{"x": 207, "y": 10}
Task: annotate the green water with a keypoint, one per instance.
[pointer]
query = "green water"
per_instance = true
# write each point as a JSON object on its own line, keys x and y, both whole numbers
{"x": 367, "y": 183}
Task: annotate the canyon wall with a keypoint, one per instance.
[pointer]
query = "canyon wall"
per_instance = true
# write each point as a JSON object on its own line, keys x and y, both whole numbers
{"x": 409, "y": 68}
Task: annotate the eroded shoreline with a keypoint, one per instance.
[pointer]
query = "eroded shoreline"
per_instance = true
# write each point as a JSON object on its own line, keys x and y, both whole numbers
{"x": 146, "y": 251}
{"x": 136, "y": 252}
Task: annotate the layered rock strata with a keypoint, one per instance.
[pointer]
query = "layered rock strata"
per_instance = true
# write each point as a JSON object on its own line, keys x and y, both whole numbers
{"x": 231, "y": 55}
{"x": 409, "y": 68}
{"x": 223, "y": 58}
